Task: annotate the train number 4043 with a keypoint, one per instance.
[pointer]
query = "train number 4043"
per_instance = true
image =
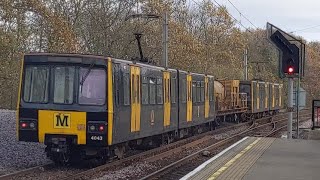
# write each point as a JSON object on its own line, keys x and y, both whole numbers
{"x": 96, "y": 138}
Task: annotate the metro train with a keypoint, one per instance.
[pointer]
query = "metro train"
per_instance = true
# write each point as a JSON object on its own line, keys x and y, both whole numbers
{"x": 94, "y": 107}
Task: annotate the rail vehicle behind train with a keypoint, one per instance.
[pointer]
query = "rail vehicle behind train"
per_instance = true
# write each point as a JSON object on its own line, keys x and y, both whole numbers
{"x": 263, "y": 98}
{"x": 85, "y": 106}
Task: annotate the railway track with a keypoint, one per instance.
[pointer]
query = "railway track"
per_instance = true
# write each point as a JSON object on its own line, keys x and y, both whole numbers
{"x": 183, "y": 148}
{"x": 50, "y": 170}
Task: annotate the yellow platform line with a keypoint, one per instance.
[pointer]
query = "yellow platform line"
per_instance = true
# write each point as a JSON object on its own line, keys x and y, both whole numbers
{"x": 230, "y": 162}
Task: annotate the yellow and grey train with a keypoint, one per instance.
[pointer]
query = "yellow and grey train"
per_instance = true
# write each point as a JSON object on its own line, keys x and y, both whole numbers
{"x": 86, "y": 106}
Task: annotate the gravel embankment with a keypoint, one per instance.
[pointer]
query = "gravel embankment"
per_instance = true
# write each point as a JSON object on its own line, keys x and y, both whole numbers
{"x": 303, "y": 132}
{"x": 127, "y": 172}
{"x": 306, "y": 124}
{"x": 16, "y": 155}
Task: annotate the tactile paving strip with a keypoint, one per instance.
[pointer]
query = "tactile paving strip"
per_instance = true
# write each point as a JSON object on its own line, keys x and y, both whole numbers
{"x": 239, "y": 165}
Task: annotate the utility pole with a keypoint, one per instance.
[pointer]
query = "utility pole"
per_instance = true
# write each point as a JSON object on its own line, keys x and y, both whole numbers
{"x": 165, "y": 40}
{"x": 245, "y": 59}
{"x": 290, "y": 107}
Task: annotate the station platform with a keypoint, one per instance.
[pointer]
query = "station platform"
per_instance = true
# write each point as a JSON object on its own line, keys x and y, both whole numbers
{"x": 254, "y": 158}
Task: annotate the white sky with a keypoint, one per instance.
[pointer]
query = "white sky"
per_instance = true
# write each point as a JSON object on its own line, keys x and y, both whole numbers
{"x": 288, "y": 15}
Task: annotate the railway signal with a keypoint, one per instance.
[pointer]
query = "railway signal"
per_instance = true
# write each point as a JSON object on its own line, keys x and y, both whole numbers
{"x": 289, "y": 63}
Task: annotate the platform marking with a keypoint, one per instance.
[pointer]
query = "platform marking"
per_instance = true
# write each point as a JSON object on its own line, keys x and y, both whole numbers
{"x": 202, "y": 166}
{"x": 230, "y": 162}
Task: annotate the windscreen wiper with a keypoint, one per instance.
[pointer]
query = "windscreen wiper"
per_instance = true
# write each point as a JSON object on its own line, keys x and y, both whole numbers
{"x": 86, "y": 74}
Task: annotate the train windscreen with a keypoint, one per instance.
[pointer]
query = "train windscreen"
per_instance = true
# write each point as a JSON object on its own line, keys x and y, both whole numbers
{"x": 36, "y": 84}
{"x": 65, "y": 82}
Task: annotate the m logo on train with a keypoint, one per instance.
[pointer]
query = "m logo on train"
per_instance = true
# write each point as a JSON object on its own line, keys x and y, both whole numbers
{"x": 62, "y": 120}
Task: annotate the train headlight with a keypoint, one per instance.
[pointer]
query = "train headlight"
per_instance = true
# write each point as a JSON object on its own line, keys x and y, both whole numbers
{"x": 92, "y": 128}
{"x": 32, "y": 125}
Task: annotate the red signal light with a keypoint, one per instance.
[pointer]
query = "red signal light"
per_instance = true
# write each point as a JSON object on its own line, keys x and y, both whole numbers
{"x": 23, "y": 125}
{"x": 101, "y": 128}
{"x": 290, "y": 69}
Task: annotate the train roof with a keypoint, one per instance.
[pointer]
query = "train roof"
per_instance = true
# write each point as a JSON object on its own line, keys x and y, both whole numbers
{"x": 142, "y": 64}
{"x": 97, "y": 57}
{"x": 65, "y": 55}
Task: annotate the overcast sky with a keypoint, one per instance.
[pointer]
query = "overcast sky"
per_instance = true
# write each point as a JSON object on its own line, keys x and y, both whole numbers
{"x": 289, "y": 15}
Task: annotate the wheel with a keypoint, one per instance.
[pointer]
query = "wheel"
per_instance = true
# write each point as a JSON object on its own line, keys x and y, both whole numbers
{"x": 119, "y": 151}
{"x": 61, "y": 159}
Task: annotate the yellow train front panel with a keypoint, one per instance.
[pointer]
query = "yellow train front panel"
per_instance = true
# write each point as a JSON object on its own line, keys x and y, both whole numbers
{"x": 62, "y": 122}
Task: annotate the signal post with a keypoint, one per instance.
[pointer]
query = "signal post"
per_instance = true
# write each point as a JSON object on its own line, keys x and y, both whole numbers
{"x": 291, "y": 65}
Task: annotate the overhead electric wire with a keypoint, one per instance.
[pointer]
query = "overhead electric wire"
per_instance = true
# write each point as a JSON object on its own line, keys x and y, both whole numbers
{"x": 242, "y": 14}
{"x": 230, "y": 15}
{"x": 305, "y": 29}
{"x": 255, "y": 35}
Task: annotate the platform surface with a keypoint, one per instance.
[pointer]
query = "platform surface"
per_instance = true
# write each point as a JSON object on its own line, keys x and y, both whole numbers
{"x": 255, "y": 158}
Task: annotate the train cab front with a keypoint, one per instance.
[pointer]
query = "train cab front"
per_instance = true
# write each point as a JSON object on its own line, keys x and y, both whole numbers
{"x": 62, "y": 103}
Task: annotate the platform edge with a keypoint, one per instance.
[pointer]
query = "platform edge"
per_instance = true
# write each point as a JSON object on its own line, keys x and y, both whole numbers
{"x": 203, "y": 165}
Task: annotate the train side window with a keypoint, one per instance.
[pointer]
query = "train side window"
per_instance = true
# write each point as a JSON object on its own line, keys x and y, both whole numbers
{"x": 159, "y": 91}
{"x": 152, "y": 90}
{"x": 166, "y": 94}
{"x": 173, "y": 90}
{"x": 133, "y": 94}
{"x": 116, "y": 70}
{"x": 210, "y": 91}
{"x": 126, "y": 88}
{"x": 145, "y": 90}
{"x": 194, "y": 91}
{"x": 198, "y": 92}
{"x": 138, "y": 84}
{"x": 168, "y": 84}
{"x": 183, "y": 91}
{"x": 202, "y": 91}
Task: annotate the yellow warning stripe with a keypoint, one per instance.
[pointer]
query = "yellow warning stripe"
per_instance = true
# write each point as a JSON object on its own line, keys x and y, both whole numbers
{"x": 229, "y": 163}
{"x": 110, "y": 101}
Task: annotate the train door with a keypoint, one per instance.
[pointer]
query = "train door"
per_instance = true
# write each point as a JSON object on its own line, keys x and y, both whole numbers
{"x": 167, "y": 101}
{"x": 206, "y": 97}
{"x": 135, "y": 98}
{"x": 266, "y": 95}
{"x": 189, "y": 98}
